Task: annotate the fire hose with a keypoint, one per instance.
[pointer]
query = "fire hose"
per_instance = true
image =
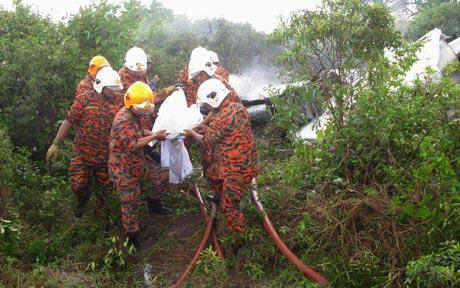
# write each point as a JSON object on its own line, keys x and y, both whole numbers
{"x": 290, "y": 256}
{"x": 204, "y": 212}
{"x": 282, "y": 247}
{"x": 200, "y": 248}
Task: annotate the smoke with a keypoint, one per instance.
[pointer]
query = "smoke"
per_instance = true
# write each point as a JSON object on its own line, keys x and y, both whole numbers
{"x": 252, "y": 82}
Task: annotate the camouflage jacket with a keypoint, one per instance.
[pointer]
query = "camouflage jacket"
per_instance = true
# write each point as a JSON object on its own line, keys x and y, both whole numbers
{"x": 230, "y": 143}
{"x": 126, "y": 164}
{"x": 85, "y": 85}
{"x": 92, "y": 115}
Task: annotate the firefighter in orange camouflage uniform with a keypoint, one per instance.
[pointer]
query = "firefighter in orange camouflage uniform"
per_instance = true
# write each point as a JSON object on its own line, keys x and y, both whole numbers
{"x": 95, "y": 64}
{"x": 203, "y": 65}
{"x": 128, "y": 166}
{"x": 234, "y": 158}
{"x": 91, "y": 114}
{"x": 221, "y": 72}
{"x": 135, "y": 69}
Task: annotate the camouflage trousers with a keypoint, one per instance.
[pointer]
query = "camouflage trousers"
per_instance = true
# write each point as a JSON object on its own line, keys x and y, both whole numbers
{"x": 155, "y": 181}
{"x": 80, "y": 176}
{"x": 229, "y": 192}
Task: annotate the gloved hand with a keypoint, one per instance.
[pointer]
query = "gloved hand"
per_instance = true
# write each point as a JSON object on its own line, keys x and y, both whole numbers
{"x": 53, "y": 153}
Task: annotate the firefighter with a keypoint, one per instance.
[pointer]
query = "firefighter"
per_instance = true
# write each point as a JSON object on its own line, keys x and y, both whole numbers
{"x": 91, "y": 114}
{"x": 128, "y": 166}
{"x": 221, "y": 71}
{"x": 201, "y": 67}
{"x": 135, "y": 69}
{"x": 95, "y": 64}
{"x": 229, "y": 141}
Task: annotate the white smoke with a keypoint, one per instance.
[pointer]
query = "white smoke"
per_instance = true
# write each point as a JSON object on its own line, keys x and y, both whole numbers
{"x": 252, "y": 83}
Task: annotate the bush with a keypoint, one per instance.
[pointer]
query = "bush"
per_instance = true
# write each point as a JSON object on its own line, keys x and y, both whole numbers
{"x": 33, "y": 84}
{"x": 444, "y": 16}
{"x": 438, "y": 269}
{"x": 9, "y": 237}
{"x": 210, "y": 271}
{"x": 383, "y": 179}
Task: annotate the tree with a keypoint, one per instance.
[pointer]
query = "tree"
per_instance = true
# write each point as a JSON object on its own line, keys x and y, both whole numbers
{"x": 105, "y": 29}
{"x": 38, "y": 75}
{"x": 445, "y": 16}
{"x": 343, "y": 37}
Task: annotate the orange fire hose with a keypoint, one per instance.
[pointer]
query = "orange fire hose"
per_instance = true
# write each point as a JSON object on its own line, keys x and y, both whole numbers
{"x": 200, "y": 248}
{"x": 204, "y": 212}
{"x": 310, "y": 273}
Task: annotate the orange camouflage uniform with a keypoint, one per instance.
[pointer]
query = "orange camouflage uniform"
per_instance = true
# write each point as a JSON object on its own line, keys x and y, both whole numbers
{"x": 129, "y": 168}
{"x": 234, "y": 159}
{"x": 191, "y": 87}
{"x": 91, "y": 114}
{"x": 128, "y": 77}
{"x": 85, "y": 85}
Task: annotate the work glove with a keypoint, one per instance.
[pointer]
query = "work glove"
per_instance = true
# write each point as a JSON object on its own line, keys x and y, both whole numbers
{"x": 53, "y": 153}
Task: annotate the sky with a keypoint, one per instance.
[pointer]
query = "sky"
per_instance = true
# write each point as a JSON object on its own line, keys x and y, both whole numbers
{"x": 262, "y": 15}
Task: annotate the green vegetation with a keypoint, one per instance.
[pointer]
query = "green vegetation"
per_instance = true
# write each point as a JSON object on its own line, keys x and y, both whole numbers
{"x": 374, "y": 203}
{"x": 440, "y": 14}
{"x": 380, "y": 188}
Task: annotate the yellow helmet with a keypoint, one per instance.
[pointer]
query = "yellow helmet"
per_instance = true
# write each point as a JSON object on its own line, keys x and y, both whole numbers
{"x": 96, "y": 63}
{"x": 140, "y": 96}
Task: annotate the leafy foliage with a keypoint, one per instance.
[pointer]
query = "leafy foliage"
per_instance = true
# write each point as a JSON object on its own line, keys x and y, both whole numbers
{"x": 342, "y": 36}
{"x": 9, "y": 237}
{"x": 378, "y": 190}
{"x": 210, "y": 271}
{"x": 444, "y": 15}
{"x": 104, "y": 29}
{"x": 33, "y": 85}
{"x": 334, "y": 44}
{"x": 43, "y": 61}
{"x": 388, "y": 161}
{"x": 117, "y": 253}
{"x": 439, "y": 269}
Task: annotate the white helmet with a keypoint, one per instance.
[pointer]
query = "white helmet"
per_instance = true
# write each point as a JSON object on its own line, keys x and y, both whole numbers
{"x": 212, "y": 92}
{"x": 214, "y": 57}
{"x": 136, "y": 59}
{"x": 200, "y": 61}
{"x": 107, "y": 77}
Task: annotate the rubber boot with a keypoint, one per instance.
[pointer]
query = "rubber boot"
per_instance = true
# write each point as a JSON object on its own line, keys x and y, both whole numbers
{"x": 155, "y": 207}
{"x": 133, "y": 239}
{"x": 81, "y": 205}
